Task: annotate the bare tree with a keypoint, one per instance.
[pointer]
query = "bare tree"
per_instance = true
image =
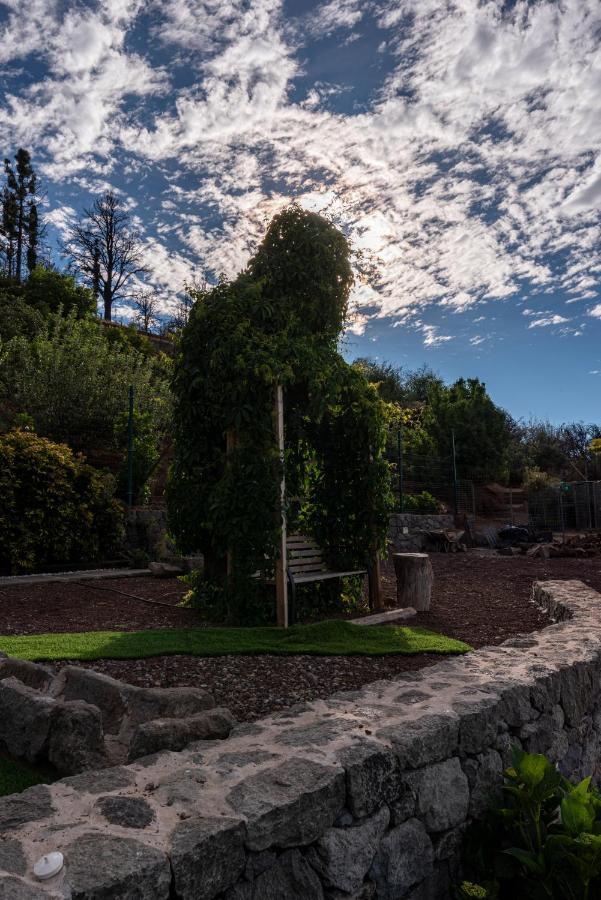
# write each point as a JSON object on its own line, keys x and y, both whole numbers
{"x": 105, "y": 250}
{"x": 147, "y": 306}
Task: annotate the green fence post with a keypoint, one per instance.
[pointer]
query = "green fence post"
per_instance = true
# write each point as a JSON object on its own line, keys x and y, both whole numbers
{"x": 400, "y": 467}
{"x": 455, "y": 482}
{"x": 130, "y": 449}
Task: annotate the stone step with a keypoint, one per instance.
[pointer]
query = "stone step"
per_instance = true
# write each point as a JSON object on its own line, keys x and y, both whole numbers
{"x": 387, "y": 617}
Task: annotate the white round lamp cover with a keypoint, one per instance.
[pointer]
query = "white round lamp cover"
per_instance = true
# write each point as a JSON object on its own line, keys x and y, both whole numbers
{"x": 48, "y": 866}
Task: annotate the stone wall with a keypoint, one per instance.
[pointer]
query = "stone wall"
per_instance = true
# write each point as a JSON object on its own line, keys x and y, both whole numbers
{"x": 363, "y": 795}
{"x": 406, "y": 531}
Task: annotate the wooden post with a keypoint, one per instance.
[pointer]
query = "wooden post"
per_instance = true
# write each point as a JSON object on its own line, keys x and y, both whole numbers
{"x": 281, "y": 582}
{"x": 414, "y": 580}
{"x": 231, "y": 439}
{"x": 375, "y": 585}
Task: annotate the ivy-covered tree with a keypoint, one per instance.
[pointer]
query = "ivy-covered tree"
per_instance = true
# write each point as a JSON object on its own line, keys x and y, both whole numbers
{"x": 278, "y": 323}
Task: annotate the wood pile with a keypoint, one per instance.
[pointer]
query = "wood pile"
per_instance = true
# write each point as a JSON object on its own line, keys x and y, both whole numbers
{"x": 584, "y": 546}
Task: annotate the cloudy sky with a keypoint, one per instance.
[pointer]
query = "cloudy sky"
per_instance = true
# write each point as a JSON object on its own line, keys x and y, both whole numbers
{"x": 457, "y": 143}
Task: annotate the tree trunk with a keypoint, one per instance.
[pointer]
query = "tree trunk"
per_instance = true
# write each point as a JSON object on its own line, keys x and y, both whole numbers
{"x": 414, "y": 580}
{"x": 108, "y": 302}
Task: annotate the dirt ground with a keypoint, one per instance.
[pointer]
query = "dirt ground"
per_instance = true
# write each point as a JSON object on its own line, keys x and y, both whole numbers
{"x": 478, "y": 597}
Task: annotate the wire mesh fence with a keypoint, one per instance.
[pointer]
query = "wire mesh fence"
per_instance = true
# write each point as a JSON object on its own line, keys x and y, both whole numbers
{"x": 568, "y": 506}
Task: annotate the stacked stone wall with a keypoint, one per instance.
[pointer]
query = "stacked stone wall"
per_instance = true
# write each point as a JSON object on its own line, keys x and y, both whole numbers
{"x": 366, "y": 794}
{"x": 407, "y": 531}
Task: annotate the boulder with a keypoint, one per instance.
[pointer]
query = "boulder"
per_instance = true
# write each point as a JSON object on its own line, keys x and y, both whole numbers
{"x": 442, "y": 794}
{"x": 292, "y": 878}
{"x": 25, "y": 717}
{"x": 29, "y": 806}
{"x": 146, "y": 704}
{"x": 128, "y": 812}
{"x": 101, "y": 690}
{"x": 32, "y": 674}
{"x": 372, "y": 777}
{"x": 76, "y": 741}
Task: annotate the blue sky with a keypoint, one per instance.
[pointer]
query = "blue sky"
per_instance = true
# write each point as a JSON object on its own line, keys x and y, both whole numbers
{"x": 456, "y": 143}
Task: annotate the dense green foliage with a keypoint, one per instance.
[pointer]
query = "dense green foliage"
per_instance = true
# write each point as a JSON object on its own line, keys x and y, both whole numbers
{"x": 421, "y": 503}
{"x": 72, "y": 380}
{"x": 277, "y": 323}
{"x": 333, "y": 638}
{"x": 55, "y": 508}
{"x": 24, "y": 306}
{"x": 543, "y": 842}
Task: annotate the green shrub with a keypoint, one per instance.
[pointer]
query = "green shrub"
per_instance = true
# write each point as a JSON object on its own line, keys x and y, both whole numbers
{"x": 421, "y": 503}
{"x": 544, "y": 841}
{"x": 55, "y": 508}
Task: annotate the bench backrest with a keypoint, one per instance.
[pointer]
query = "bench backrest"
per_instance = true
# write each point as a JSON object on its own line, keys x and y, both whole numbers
{"x": 304, "y": 556}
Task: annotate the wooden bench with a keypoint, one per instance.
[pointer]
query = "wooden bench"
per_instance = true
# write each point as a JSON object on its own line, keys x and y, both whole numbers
{"x": 305, "y": 564}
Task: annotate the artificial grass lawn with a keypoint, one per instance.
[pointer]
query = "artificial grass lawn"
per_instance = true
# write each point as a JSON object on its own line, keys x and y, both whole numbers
{"x": 331, "y": 638}
{"x": 17, "y": 776}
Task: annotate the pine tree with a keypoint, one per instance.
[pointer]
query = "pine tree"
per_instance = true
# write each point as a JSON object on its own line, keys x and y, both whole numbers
{"x": 20, "y": 220}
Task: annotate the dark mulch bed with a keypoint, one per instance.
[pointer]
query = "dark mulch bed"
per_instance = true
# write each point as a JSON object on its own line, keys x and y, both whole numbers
{"x": 478, "y": 597}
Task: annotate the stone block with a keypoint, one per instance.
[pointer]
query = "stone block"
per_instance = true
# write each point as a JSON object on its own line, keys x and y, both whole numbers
{"x": 127, "y": 812}
{"x": 420, "y": 741}
{"x": 175, "y": 734}
{"x": 104, "y": 865}
{"x": 13, "y": 888}
{"x": 404, "y": 859}
{"x": 372, "y": 777}
{"x": 485, "y": 777}
{"x": 12, "y": 858}
{"x": 343, "y": 856}
{"x": 113, "y": 779}
{"x": 98, "y": 689}
{"x": 76, "y": 741}
{"x": 289, "y": 804}
{"x": 32, "y": 674}
{"x": 207, "y": 856}
{"x": 292, "y": 878}
{"x": 29, "y": 806}
{"x": 25, "y": 717}
{"x": 146, "y": 704}
{"x": 442, "y": 794}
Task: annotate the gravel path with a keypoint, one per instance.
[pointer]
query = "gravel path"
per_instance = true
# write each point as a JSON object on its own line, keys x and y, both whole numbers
{"x": 478, "y": 597}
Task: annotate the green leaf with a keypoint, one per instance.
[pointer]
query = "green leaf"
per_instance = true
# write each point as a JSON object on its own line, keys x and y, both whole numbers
{"x": 577, "y": 814}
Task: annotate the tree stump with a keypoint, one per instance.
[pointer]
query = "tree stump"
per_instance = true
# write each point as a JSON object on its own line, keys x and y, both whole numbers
{"x": 414, "y": 580}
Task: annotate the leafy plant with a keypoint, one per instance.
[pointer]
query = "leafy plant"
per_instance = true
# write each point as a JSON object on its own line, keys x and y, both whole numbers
{"x": 421, "y": 503}
{"x": 55, "y": 508}
{"x": 544, "y": 841}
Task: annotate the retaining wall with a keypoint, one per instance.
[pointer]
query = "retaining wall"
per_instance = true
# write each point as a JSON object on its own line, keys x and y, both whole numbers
{"x": 363, "y": 795}
{"x": 406, "y": 531}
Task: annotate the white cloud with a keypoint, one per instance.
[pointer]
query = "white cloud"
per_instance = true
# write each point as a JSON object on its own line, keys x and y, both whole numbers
{"x": 596, "y": 311}
{"x": 545, "y": 321}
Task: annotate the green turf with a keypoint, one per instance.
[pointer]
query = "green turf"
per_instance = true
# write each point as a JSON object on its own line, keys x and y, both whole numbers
{"x": 335, "y": 638}
{"x": 16, "y": 776}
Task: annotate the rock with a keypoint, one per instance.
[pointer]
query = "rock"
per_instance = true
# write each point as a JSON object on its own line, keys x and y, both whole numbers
{"x": 12, "y": 888}
{"x": 207, "y": 856}
{"x": 292, "y": 878}
{"x": 32, "y": 674}
{"x": 175, "y": 734}
{"x": 442, "y": 794}
{"x": 343, "y": 856}
{"x": 485, "y": 776}
{"x": 405, "y": 858}
{"x": 146, "y": 704}
{"x": 257, "y": 863}
{"x": 128, "y": 812}
{"x": 289, "y": 804}
{"x": 372, "y": 777}
{"x": 166, "y": 570}
{"x": 25, "y": 717}
{"x": 76, "y": 740}
{"x": 182, "y": 786}
{"x": 29, "y": 806}
{"x": 420, "y": 741}
{"x": 101, "y": 690}
{"x": 12, "y": 858}
{"x": 366, "y": 892}
{"x": 100, "y": 782}
{"x": 103, "y": 865}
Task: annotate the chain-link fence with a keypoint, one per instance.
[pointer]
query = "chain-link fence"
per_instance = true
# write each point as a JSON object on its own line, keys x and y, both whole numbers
{"x": 569, "y": 506}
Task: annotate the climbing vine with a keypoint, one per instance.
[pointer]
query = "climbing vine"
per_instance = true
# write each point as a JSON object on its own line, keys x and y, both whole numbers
{"x": 277, "y": 323}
